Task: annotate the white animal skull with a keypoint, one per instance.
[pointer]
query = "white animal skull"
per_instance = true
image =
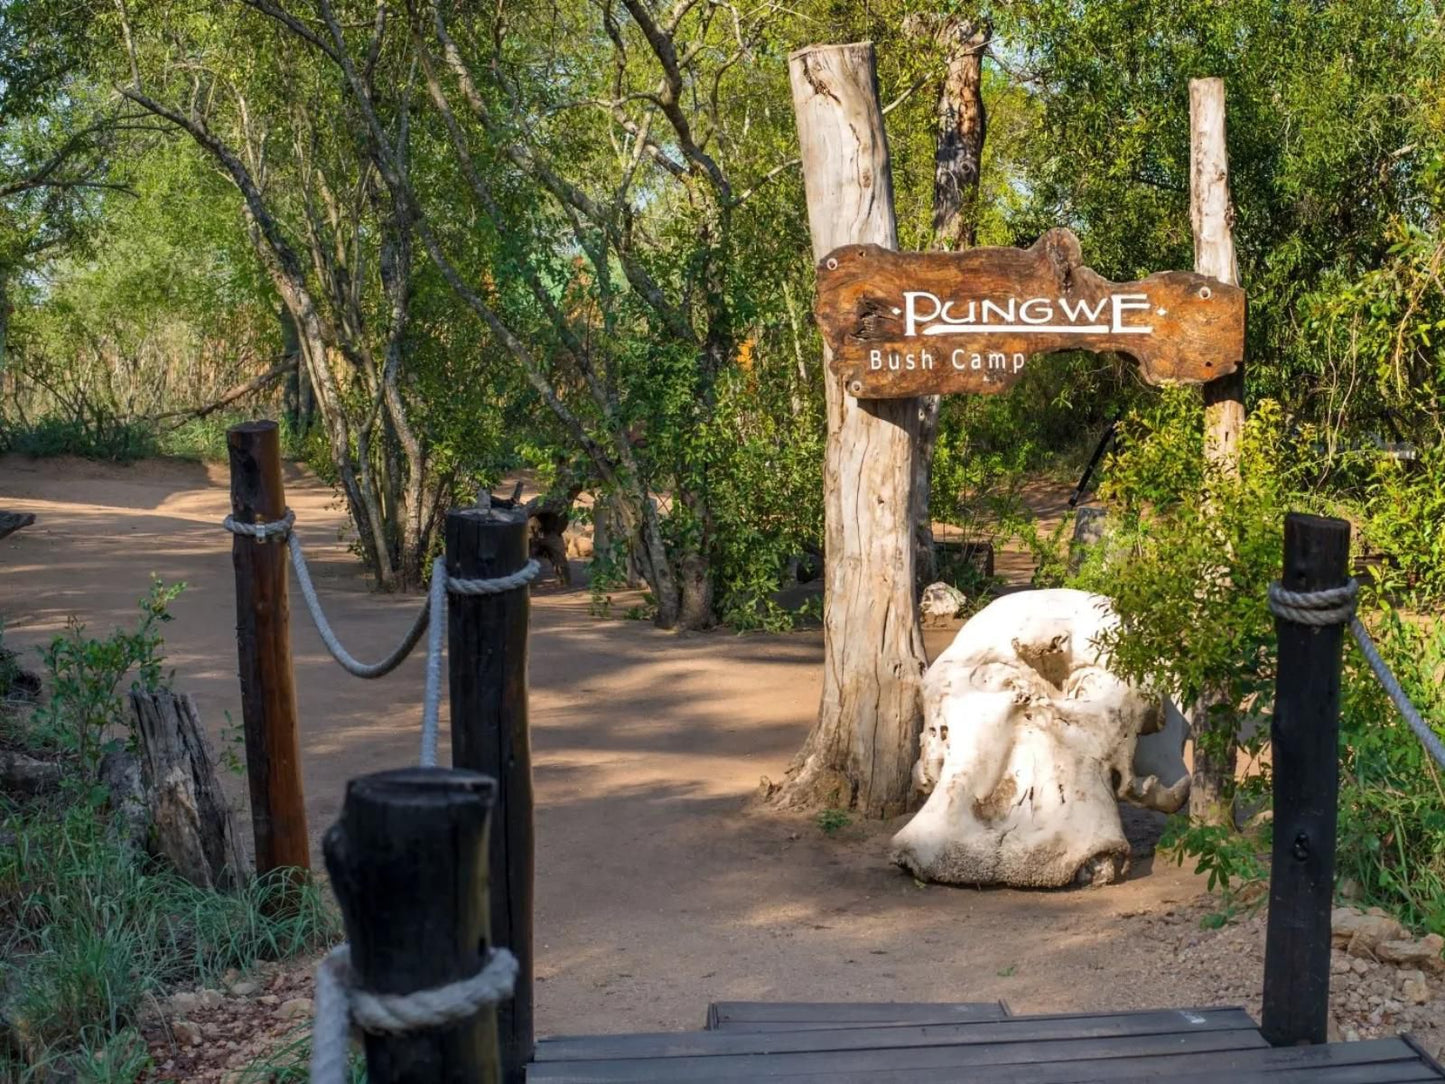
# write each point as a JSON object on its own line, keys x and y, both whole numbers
{"x": 1028, "y": 742}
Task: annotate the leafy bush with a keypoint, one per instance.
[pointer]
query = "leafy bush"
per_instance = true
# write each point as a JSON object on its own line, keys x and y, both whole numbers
{"x": 100, "y": 436}
{"x": 1392, "y": 801}
{"x": 1405, "y": 521}
{"x": 1188, "y": 564}
{"x": 84, "y": 677}
{"x": 89, "y": 927}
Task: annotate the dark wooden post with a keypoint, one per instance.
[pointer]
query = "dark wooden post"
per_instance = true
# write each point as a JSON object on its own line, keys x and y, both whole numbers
{"x": 408, "y": 864}
{"x": 1304, "y": 736}
{"x": 487, "y": 661}
{"x": 263, "y": 644}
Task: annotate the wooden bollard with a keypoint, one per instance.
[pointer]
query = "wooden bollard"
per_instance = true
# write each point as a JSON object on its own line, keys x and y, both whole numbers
{"x": 263, "y": 647}
{"x": 408, "y": 864}
{"x": 1304, "y": 740}
{"x": 487, "y": 661}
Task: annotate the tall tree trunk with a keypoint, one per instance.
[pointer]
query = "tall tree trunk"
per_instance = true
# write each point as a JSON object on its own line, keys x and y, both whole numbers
{"x": 1213, "y": 724}
{"x": 861, "y": 751}
{"x": 961, "y": 125}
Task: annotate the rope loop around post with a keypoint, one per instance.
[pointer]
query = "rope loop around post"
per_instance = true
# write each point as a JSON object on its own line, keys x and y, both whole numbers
{"x": 274, "y": 530}
{"x": 339, "y": 1005}
{"x": 497, "y": 585}
{"x": 1328, "y": 606}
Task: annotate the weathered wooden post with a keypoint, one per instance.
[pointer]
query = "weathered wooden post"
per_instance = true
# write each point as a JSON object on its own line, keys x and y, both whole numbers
{"x": 487, "y": 661}
{"x": 263, "y": 645}
{"x": 1304, "y": 739}
{"x": 408, "y": 864}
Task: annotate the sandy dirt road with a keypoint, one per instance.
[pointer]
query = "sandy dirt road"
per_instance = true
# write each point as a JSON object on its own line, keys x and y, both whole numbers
{"x": 658, "y": 889}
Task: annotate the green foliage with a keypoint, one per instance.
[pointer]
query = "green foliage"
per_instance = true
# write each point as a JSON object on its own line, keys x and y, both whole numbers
{"x": 1189, "y": 560}
{"x": 1392, "y": 803}
{"x": 1229, "y": 858}
{"x": 1405, "y": 522}
{"x": 84, "y": 677}
{"x": 97, "y": 434}
{"x": 832, "y": 821}
{"x": 94, "y": 930}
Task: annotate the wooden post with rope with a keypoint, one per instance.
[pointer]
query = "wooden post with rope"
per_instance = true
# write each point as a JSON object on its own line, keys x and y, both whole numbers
{"x": 263, "y": 648}
{"x": 408, "y": 863}
{"x": 487, "y": 653}
{"x": 1304, "y": 740}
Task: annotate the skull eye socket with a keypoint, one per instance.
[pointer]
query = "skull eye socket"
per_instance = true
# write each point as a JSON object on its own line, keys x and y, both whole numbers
{"x": 943, "y": 732}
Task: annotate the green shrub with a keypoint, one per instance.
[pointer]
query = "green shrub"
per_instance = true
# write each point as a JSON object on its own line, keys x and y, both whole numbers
{"x": 100, "y": 436}
{"x": 1392, "y": 801}
{"x": 84, "y": 676}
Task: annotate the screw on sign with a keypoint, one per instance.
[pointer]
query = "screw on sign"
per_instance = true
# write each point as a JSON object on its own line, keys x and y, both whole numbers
{"x": 922, "y": 323}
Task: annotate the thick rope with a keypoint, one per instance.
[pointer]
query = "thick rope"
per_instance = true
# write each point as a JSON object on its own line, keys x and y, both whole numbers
{"x": 1329, "y": 606}
{"x": 280, "y": 529}
{"x": 431, "y": 699}
{"x": 1336, "y": 606}
{"x": 339, "y": 1003}
{"x": 262, "y": 532}
{"x": 351, "y": 665}
{"x": 1428, "y": 738}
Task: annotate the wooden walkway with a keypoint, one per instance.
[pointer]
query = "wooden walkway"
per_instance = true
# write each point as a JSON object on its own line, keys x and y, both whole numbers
{"x": 886, "y": 1043}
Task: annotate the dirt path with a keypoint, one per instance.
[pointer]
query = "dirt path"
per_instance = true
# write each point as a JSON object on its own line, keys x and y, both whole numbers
{"x": 657, "y": 891}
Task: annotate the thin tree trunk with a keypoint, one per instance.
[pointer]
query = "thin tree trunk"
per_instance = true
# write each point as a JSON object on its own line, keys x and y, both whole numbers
{"x": 1213, "y": 722}
{"x": 961, "y": 126}
{"x": 1211, "y": 213}
{"x": 861, "y": 751}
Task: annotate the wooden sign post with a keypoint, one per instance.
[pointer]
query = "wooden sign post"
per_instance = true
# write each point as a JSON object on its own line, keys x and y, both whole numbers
{"x": 901, "y": 324}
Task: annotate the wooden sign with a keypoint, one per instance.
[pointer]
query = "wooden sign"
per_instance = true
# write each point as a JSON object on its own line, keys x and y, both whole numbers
{"x": 923, "y": 323}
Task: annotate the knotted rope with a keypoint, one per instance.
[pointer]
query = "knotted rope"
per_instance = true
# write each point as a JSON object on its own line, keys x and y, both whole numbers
{"x": 1336, "y": 606}
{"x": 339, "y": 1004}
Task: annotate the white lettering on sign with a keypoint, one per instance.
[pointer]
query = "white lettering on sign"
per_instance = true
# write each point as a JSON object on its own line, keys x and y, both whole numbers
{"x": 928, "y": 314}
{"x": 963, "y": 360}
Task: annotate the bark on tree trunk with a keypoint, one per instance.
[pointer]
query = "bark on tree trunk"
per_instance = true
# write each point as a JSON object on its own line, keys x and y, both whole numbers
{"x": 861, "y": 751}
{"x": 957, "y": 165}
{"x": 193, "y": 824}
{"x": 1212, "y": 216}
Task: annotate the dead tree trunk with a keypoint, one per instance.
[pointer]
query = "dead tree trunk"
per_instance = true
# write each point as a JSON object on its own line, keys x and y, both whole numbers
{"x": 957, "y": 166}
{"x": 193, "y": 825}
{"x": 861, "y": 751}
{"x": 1212, "y": 214}
{"x": 1213, "y": 721}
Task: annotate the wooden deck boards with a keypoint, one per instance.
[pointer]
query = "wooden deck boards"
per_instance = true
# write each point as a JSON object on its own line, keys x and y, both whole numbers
{"x": 884, "y": 1043}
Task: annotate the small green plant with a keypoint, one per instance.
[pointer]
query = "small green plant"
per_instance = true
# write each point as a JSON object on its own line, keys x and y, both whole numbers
{"x": 84, "y": 676}
{"x": 1236, "y": 863}
{"x": 1007, "y": 972}
{"x": 232, "y": 755}
{"x": 832, "y": 821}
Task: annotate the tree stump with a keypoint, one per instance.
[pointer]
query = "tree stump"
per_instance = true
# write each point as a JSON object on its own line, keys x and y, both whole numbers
{"x": 193, "y": 824}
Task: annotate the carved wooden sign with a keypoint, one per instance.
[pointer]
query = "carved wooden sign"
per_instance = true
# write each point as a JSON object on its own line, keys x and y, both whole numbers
{"x": 924, "y": 323}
